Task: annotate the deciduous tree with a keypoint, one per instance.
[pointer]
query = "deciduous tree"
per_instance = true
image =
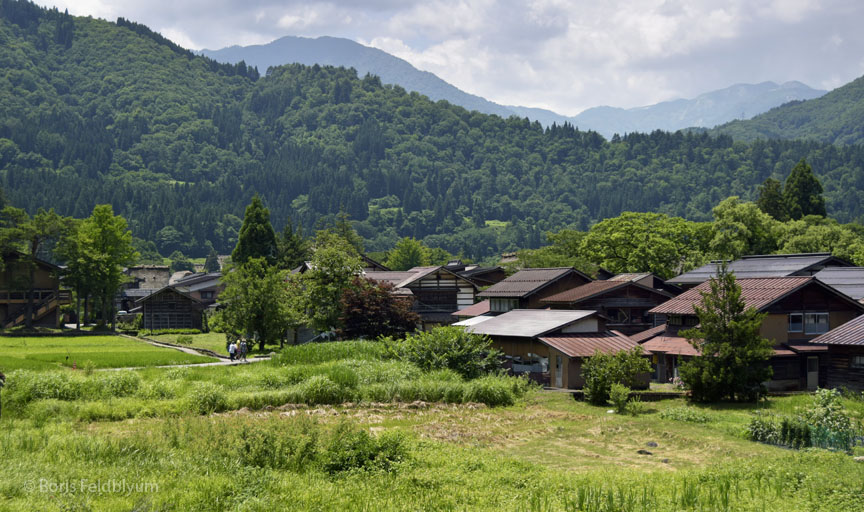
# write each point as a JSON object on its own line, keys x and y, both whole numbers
{"x": 370, "y": 309}
{"x": 408, "y": 253}
{"x": 257, "y": 303}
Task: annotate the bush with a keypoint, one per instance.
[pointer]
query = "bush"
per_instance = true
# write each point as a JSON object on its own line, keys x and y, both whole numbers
{"x": 688, "y": 414}
{"x": 470, "y": 355}
{"x": 272, "y": 446}
{"x": 207, "y": 398}
{"x": 601, "y": 371}
{"x": 635, "y": 406}
{"x": 764, "y": 429}
{"x": 618, "y": 395}
{"x": 348, "y": 447}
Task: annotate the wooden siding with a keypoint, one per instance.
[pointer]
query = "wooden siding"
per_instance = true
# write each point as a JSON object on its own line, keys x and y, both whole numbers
{"x": 567, "y": 282}
{"x": 171, "y": 310}
{"x": 839, "y": 367}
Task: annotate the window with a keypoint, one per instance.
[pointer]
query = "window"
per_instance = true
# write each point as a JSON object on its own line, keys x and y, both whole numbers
{"x": 857, "y": 362}
{"x": 815, "y": 323}
{"x": 796, "y": 322}
{"x": 207, "y": 295}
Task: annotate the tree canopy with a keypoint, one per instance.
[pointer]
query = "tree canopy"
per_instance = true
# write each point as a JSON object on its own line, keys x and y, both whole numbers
{"x": 256, "y": 238}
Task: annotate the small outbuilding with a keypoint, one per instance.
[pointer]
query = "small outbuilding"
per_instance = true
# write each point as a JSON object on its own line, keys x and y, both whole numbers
{"x": 169, "y": 308}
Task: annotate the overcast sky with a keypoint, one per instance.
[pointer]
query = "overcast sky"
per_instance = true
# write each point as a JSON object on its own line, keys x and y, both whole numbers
{"x": 565, "y": 55}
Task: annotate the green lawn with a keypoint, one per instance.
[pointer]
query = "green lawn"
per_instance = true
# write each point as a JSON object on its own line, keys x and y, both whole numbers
{"x": 46, "y": 353}
{"x": 214, "y": 341}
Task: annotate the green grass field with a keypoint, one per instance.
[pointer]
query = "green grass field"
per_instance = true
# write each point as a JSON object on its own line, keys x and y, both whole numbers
{"x": 214, "y": 341}
{"x": 47, "y": 353}
{"x": 337, "y": 426}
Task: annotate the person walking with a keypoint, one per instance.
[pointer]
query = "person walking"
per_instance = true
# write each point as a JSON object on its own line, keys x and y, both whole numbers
{"x": 232, "y": 350}
{"x": 244, "y": 349}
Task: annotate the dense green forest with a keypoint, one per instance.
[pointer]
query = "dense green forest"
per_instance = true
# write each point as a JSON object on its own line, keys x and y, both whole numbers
{"x": 98, "y": 112}
{"x": 837, "y": 118}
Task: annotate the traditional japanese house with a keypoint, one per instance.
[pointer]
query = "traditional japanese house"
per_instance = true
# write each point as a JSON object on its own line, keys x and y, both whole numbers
{"x": 528, "y": 287}
{"x": 553, "y": 341}
{"x": 170, "y": 308}
{"x": 15, "y": 286}
{"x": 849, "y": 280}
{"x": 845, "y": 355}
{"x": 798, "y": 310}
{"x": 770, "y": 265}
{"x": 624, "y": 300}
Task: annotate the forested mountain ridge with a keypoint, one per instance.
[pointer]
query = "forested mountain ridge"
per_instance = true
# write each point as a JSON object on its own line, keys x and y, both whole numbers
{"x": 837, "y": 118}
{"x": 706, "y": 110}
{"x": 178, "y": 144}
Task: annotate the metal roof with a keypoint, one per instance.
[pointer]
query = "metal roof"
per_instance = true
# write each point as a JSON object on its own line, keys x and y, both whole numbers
{"x": 639, "y": 337}
{"x": 527, "y": 281}
{"x": 528, "y": 323}
{"x": 849, "y": 280}
{"x": 586, "y": 345}
{"x": 197, "y": 278}
{"x": 481, "y": 308}
{"x": 473, "y": 320}
{"x": 629, "y": 277}
{"x": 595, "y": 288}
{"x": 756, "y": 293}
{"x": 673, "y": 345}
{"x": 770, "y": 265}
{"x": 850, "y": 333}
{"x": 392, "y": 277}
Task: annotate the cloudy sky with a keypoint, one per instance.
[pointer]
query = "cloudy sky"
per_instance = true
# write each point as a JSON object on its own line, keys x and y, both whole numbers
{"x": 565, "y": 55}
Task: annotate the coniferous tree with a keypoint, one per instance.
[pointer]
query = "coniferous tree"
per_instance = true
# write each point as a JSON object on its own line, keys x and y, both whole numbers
{"x": 407, "y": 254}
{"x": 732, "y": 364}
{"x": 211, "y": 264}
{"x": 803, "y": 192}
{"x": 771, "y": 199}
{"x": 292, "y": 248}
{"x": 256, "y": 238}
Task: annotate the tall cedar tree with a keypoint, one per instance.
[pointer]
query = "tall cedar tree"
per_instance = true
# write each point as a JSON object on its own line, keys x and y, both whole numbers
{"x": 211, "y": 264}
{"x": 257, "y": 238}
{"x": 370, "y": 309}
{"x": 771, "y": 200}
{"x": 732, "y": 364}
{"x": 803, "y": 192}
{"x": 292, "y": 248}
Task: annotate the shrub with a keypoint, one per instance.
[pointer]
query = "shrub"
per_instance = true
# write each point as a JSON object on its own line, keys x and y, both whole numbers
{"x": 270, "y": 445}
{"x": 348, "y": 447}
{"x": 601, "y": 371}
{"x": 618, "y": 395}
{"x": 319, "y": 389}
{"x": 764, "y": 429}
{"x": 688, "y": 414}
{"x": 635, "y": 406}
{"x": 470, "y": 355}
{"x": 207, "y": 398}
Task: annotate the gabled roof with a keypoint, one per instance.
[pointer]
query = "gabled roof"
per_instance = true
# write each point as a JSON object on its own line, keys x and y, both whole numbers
{"x": 165, "y": 288}
{"x": 369, "y": 262}
{"x": 528, "y": 323}
{"x": 673, "y": 345}
{"x": 849, "y": 280}
{"x": 769, "y": 265}
{"x": 596, "y": 288}
{"x": 756, "y": 293}
{"x": 629, "y": 277}
{"x": 481, "y": 308}
{"x": 647, "y": 334}
{"x": 850, "y": 333}
{"x": 529, "y": 281}
{"x": 392, "y": 277}
{"x": 587, "y": 344}
{"x": 198, "y": 278}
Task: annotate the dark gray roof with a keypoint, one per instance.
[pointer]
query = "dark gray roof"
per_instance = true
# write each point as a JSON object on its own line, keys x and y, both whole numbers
{"x": 137, "y": 292}
{"x": 770, "y": 265}
{"x": 850, "y": 333}
{"x": 849, "y": 280}
{"x": 527, "y": 281}
{"x": 528, "y": 323}
{"x": 197, "y": 278}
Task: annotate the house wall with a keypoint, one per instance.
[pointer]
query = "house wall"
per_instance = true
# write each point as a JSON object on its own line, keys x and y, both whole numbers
{"x": 515, "y": 346}
{"x": 775, "y": 326}
{"x": 170, "y": 310}
{"x": 839, "y": 367}
{"x": 585, "y": 325}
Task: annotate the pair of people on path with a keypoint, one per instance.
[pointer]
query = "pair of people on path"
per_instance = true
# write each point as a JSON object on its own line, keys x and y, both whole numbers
{"x": 238, "y": 351}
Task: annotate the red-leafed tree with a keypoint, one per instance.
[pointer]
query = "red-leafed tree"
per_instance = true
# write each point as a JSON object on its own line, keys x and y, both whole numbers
{"x": 370, "y": 309}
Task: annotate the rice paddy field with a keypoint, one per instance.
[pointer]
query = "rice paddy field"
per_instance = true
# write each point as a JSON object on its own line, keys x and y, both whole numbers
{"x": 51, "y": 353}
{"x": 340, "y": 427}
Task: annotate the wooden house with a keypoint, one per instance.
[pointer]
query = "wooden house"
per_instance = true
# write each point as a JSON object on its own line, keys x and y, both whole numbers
{"x": 528, "y": 287}
{"x": 758, "y": 266}
{"x": 143, "y": 280}
{"x": 848, "y": 280}
{"x": 556, "y": 341}
{"x": 205, "y": 287}
{"x": 798, "y": 310}
{"x": 844, "y": 354}
{"x": 14, "y": 288}
{"x": 624, "y": 301}
{"x": 170, "y": 308}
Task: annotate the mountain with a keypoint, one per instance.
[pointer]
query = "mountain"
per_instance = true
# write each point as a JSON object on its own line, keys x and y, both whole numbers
{"x": 335, "y": 51}
{"x": 706, "y": 110}
{"x": 836, "y": 118}
{"x": 95, "y": 112}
